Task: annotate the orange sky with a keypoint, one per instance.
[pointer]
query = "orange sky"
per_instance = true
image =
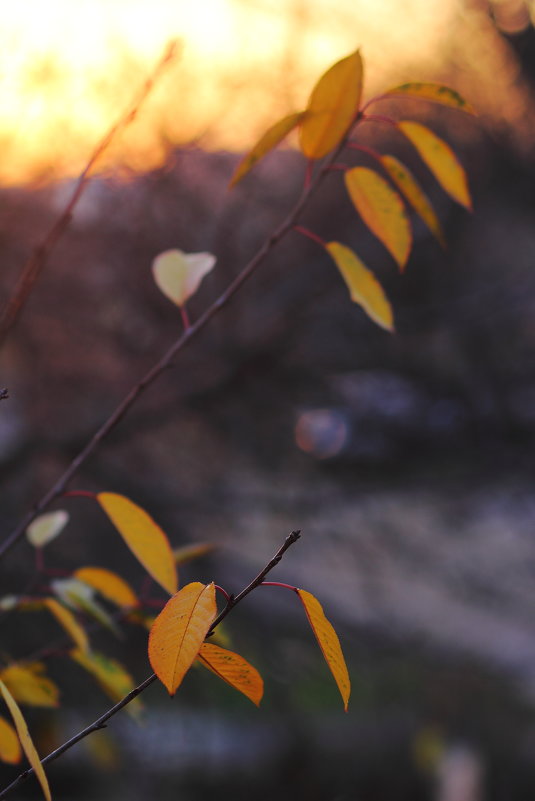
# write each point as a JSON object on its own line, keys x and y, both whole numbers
{"x": 68, "y": 69}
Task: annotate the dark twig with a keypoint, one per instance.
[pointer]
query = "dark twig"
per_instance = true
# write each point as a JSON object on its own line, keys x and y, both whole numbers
{"x": 100, "y": 723}
{"x": 38, "y": 259}
{"x": 4, "y": 394}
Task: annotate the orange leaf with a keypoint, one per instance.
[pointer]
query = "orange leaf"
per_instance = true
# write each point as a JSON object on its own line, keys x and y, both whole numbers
{"x": 272, "y": 137}
{"x": 233, "y": 669}
{"x": 434, "y": 92}
{"x": 332, "y": 107}
{"x": 28, "y": 685}
{"x": 143, "y": 536}
{"x": 26, "y": 740}
{"x": 328, "y": 642}
{"x": 363, "y": 286}
{"x": 382, "y": 210}
{"x": 66, "y": 619}
{"x": 440, "y": 159}
{"x": 178, "y": 632}
{"x": 410, "y": 188}
{"x": 109, "y": 584}
{"x": 10, "y": 750}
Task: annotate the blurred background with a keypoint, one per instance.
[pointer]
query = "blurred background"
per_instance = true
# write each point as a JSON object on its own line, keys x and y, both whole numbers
{"x": 406, "y": 460}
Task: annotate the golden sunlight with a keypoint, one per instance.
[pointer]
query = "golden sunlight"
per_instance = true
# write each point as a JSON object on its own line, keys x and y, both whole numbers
{"x": 69, "y": 70}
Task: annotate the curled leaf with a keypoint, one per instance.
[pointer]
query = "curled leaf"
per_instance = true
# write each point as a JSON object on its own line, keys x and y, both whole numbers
{"x": 233, "y": 669}
{"x": 25, "y": 740}
{"x": 440, "y": 159}
{"x": 434, "y": 92}
{"x": 46, "y": 527}
{"x": 382, "y": 210}
{"x": 178, "y": 275}
{"x": 363, "y": 286}
{"x": 28, "y": 684}
{"x": 10, "y": 750}
{"x": 108, "y": 584}
{"x": 143, "y": 536}
{"x": 412, "y": 191}
{"x": 332, "y": 107}
{"x": 328, "y": 642}
{"x": 179, "y": 631}
{"x": 66, "y": 619}
{"x": 272, "y": 137}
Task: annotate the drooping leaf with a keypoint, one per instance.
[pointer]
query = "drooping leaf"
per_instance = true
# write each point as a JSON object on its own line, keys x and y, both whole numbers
{"x": 272, "y": 137}
{"x": 178, "y": 275}
{"x": 109, "y": 584}
{"x": 10, "y": 750}
{"x": 66, "y": 619}
{"x": 233, "y": 669}
{"x": 185, "y": 553}
{"x": 178, "y": 632}
{"x": 81, "y": 597}
{"x": 112, "y": 677}
{"x": 332, "y": 107}
{"x": 26, "y": 740}
{"x": 143, "y": 536}
{"x": 363, "y": 286}
{"x": 28, "y": 684}
{"x": 382, "y": 210}
{"x": 412, "y": 191}
{"x": 328, "y": 642}
{"x": 46, "y": 527}
{"x": 440, "y": 159}
{"x": 434, "y": 92}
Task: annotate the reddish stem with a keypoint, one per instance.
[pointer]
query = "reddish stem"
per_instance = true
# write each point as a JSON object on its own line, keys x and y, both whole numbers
{"x": 278, "y": 584}
{"x": 364, "y": 149}
{"x": 308, "y": 174}
{"x": 310, "y": 234}
{"x": 379, "y": 118}
{"x": 223, "y": 592}
{"x": 80, "y": 494}
{"x": 185, "y": 318}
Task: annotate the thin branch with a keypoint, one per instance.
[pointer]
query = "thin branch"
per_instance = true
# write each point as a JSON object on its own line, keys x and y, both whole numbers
{"x": 38, "y": 259}
{"x": 166, "y": 360}
{"x": 100, "y": 723}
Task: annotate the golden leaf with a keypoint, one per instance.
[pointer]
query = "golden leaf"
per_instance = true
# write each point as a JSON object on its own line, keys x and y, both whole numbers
{"x": 66, "y": 619}
{"x": 28, "y": 685}
{"x": 233, "y": 669}
{"x": 10, "y": 750}
{"x": 328, "y": 642}
{"x": 272, "y": 137}
{"x": 185, "y": 553}
{"x": 109, "y": 584}
{"x": 434, "y": 92}
{"x": 112, "y": 677}
{"x": 178, "y": 632}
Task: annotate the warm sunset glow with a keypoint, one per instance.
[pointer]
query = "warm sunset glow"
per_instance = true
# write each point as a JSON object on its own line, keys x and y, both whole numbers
{"x": 69, "y": 69}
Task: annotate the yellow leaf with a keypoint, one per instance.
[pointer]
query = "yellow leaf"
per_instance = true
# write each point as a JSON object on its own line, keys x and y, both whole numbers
{"x": 332, "y": 107}
{"x": 112, "y": 677}
{"x": 178, "y": 632}
{"x": 143, "y": 536}
{"x": 434, "y": 92}
{"x": 10, "y": 750}
{"x": 328, "y": 642}
{"x": 185, "y": 553}
{"x": 410, "y": 188}
{"x": 29, "y": 686}
{"x": 178, "y": 275}
{"x": 26, "y": 740}
{"x": 233, "y": 669}
{"x": 109, "y": 584}
{"x": 363, "y": 286}
{"x": 272, "y": 137}
{"x": 440, "y": 159}
{"x": 80, "y": 596}
{"x": 382, "y": 210}
{"x": 66, "y": 619}
{"x": 46, "y": 527}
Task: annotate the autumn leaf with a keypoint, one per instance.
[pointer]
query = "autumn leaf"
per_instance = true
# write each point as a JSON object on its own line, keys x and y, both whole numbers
{"x": 332, "y": 107}
{"x": 178, "y": 275}
{"x": 66, "y": 619}
{"x": 233, "y": 669}
{"x": 10, "y": 750}
{"x": 143, "y": 536}
{"x": 185, "y": 553}
{"x": 81, "y": 597}
{"x": 178, "y": 632}
{"x": 272, "y": 137}
{"x": 112, "y": 677}
{"x": 363, "y": 286}
{"x": 440, "y": 159}
{"x": 411, "y": 190}
{"x": 28, "y": 684}
{"x": 328, "y": 642}
{"x": 108, "y": 584}
{"x": 46, "y": 527}
{"x": 434, "y": 92}
{"x": 382, "y": 210}
{"x": 25, "y": 740}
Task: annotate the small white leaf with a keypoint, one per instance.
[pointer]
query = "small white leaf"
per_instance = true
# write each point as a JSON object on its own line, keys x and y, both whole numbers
{"x": 178, "y": 275}
{"x": 45, "y": 527}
